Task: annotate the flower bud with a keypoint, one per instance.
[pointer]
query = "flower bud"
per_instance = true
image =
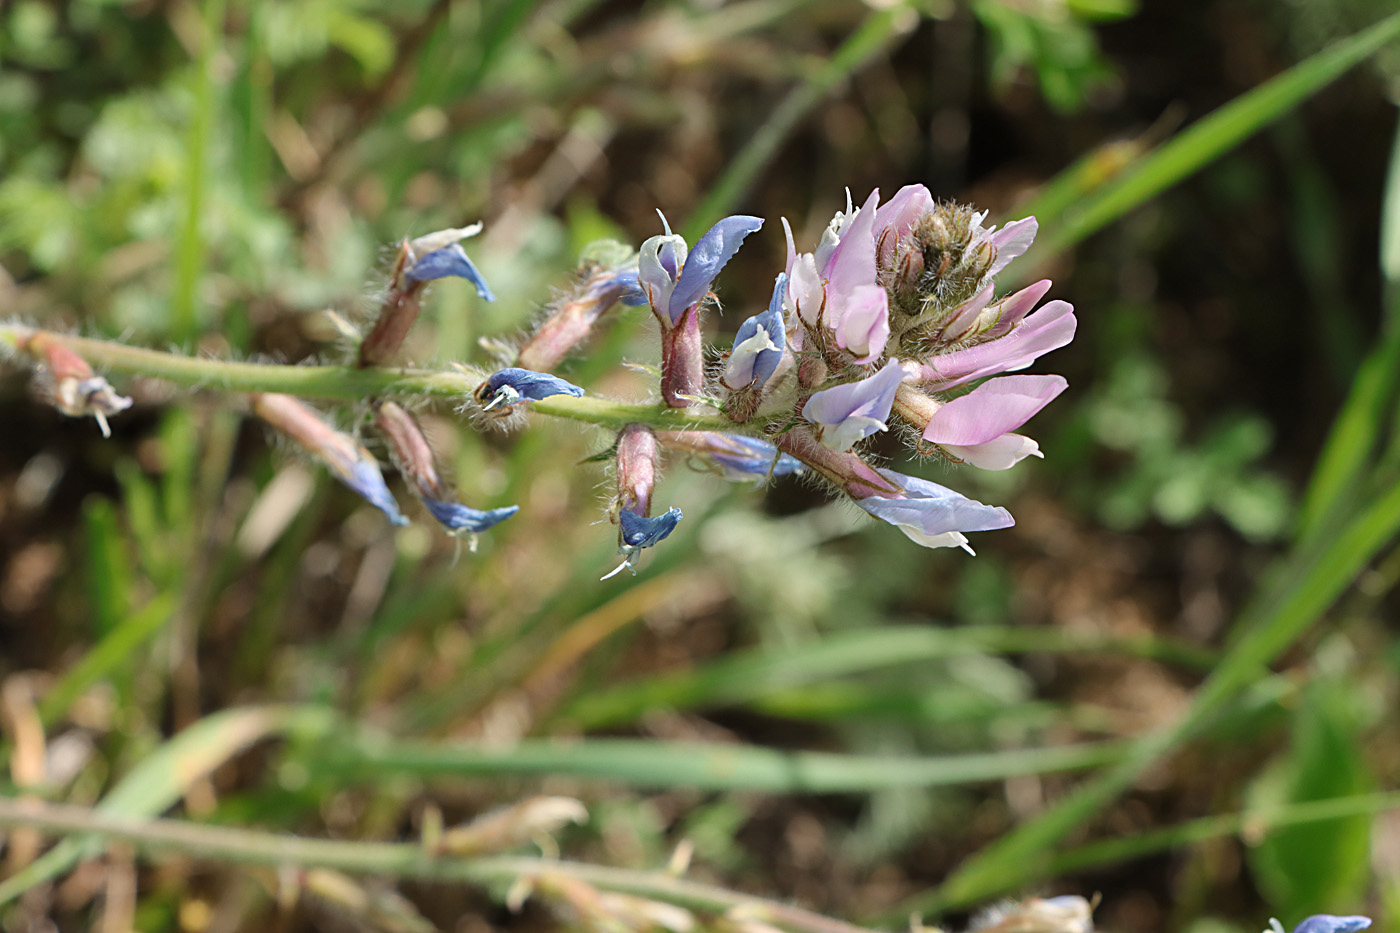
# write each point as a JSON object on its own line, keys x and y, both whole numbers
{"x": 69, "y": 384}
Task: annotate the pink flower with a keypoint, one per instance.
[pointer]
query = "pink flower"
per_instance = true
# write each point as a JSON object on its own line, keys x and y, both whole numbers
{"x": 1047, "y": 329}
{"x": 977, "y": 427}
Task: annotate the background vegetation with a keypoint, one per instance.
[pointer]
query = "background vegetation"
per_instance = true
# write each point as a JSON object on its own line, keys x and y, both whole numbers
{"x": 1173, "y": 683}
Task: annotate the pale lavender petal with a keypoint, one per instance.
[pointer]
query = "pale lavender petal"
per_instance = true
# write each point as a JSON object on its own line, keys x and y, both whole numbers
{"x": 852, "y": 412}
{"x": 898, "y": 217}
{"x": 806, "y": 294}
{"x": 1328, "y": 923}
{"x": 862, "y": 325}
{"x": 1047, "y": 329}
{"x": 965, "y": 315}
{"x": 1011, "y": 309}
{"x": 934, "y": 515}
{"x": 992, "y": 409}
{"x": 706, "y": 258}
{"x": 1011, "y": 241}
{"x": 852, "y": 263}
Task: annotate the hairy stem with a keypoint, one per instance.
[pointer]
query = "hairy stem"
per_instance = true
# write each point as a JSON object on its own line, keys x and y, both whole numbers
{"x": 351, "y": 382}
{"x": 396, "y": 859}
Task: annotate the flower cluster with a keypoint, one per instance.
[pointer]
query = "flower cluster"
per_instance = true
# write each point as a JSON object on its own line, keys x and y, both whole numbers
{"x": 891, "y": 323}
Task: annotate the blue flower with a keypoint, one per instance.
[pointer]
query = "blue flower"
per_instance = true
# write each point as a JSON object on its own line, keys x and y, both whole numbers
{"x": 510, "y": 386}
{"x": 448, "y": 261}
{"x": 936, "y": 516}
{"x": 1327, "y": 923}
{"x": 461, "y": 519}
{"x": 852, "y": 412}
{"x": 674, "y": 278}
{"x": 639, "y": 532}
{"x": 759, "y": 344}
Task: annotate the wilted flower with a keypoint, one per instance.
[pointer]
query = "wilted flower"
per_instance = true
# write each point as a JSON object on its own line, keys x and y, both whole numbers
{"x": 847, "y": 414}
{"x": 347, "y": 460}
{"x": 509, "y": 387}
{"x": 415, "y": 461}
{"x": 70, "y": 385}
{"x": 573, "y": 319}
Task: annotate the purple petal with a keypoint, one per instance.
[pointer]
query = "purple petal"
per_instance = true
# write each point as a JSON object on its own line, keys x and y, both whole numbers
{"x": 896, "y": 218}
{"x": 526, "y": 384}
{"x": 928, "y": 511}
{"x": 861, "y": 320}
{"x": 852, "y": 264}
{"x": 867, "y": 401}
{"x": 1011, "y": 241}
{"x": 657, "y": 261}
{"x": 639, "y": 532}
{"x": 364, "y": 477}
{"x": 706, "y": 258}
{"x": 1011, "y": 309}
{"x": 1047, "y": 329}
{"x": 1327, "y": 923}
{"x": 447, "y": 262}
{"x": 459, "y": 518}
{"x": 994, "y": 408}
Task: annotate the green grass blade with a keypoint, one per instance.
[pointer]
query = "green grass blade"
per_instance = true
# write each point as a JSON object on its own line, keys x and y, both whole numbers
{"x": 1118, "y": 851}
{"x": 1213, "y": 135}
{"x": 1355, "y": 431}
{"x": 695, "y": 765}
{"x": 108, "y": 655}
{"x": 745, "y": 677}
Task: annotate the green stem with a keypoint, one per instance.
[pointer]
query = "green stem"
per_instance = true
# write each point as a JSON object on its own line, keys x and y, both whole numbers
{"x": 355, "y": 384}
{"x": 396, "y": 859}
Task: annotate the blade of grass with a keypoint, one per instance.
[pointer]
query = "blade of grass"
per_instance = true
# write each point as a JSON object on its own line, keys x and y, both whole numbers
{"x": 1211, "y": 136}
{"x": 747, "y": 676}
{"x": 189, "y": 255}
{"x": 1356, "y": 429}
{"x": 873, "y": 37}
{"x": 701, "y": 766}
{"x": 1251, "y": 823}
{"x": 1294, "y": 597}
{"x": 159, "y": 779}
{"x": 107, "y": 656}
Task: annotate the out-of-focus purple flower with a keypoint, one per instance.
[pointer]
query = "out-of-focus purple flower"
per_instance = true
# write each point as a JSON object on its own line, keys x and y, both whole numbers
{"x": 977, "y": 427}
{"x": 439, "y": 255}
{"x": 461, "y": 519}
{"x": 674, "y": 278}
{"x": 1327, "y": 923}
{"x": 847, "y": 414}
{"x": 758, "y": 345}
{"x": 1047, "y": 329}
{"x": 737, "y": 457}
{"x": 933, "y": 515}
{"x": 509, "y": 387}
{"x": 347, "y": 460}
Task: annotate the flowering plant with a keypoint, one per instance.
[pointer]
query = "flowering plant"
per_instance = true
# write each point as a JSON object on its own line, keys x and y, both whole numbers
{"x": 891, "y": 321}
